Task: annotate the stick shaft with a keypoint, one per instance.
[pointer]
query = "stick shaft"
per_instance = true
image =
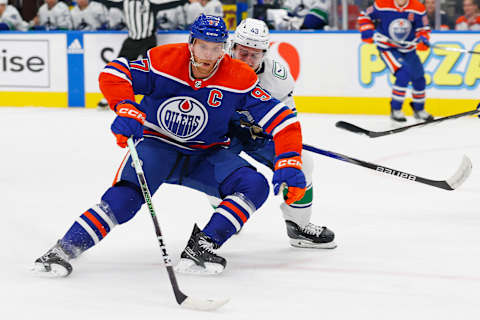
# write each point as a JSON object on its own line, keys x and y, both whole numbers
{"x": 179, "y": 295}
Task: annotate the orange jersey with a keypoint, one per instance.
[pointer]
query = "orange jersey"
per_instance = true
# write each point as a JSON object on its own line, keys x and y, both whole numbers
{"x": 191, "y": 113}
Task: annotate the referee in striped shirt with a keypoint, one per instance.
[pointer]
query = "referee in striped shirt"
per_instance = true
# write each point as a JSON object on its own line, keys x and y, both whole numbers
{"x": 140, "y": 20}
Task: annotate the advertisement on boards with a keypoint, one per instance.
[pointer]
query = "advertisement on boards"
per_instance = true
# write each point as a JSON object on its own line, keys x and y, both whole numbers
{"x": 24, "y": 63}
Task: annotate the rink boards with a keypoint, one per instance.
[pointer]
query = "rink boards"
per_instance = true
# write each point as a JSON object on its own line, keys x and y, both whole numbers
{"x": 334, "y": 71}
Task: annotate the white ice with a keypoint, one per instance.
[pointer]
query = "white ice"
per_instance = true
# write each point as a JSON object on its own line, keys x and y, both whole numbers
{"x": 405, "y": 250}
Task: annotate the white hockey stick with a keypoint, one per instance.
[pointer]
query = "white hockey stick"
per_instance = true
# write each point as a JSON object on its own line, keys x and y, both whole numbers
{"x": 182, "y": 299}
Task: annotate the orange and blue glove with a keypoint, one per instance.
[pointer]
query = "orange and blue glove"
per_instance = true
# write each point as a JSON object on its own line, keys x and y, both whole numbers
{"x": 367, "y": 30}
{"x": 288, "y": 171}
{"x": 128, "y": 123}
{"x": 423, "y": 41}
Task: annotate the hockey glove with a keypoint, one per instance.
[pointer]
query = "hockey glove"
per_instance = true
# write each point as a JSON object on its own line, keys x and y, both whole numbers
{"x": 367, "y": 29}
{"x": 129, "y": 122}
{"x": 422, "y": 38}
{"x": 288, "y": 172}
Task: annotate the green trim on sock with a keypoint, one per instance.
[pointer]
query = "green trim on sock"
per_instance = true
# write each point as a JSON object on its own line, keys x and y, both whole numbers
{"x": 307, "y": 198}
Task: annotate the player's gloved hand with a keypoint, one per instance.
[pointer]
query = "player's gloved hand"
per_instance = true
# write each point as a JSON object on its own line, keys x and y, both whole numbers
{"x": 422, "y": 39}
{"x": 129, "y": 122}
{"x": 367, "y": 35}
{"x": 288, "y": 171}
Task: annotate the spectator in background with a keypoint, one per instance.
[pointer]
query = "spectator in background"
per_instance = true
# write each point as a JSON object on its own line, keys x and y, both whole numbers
{"x": 471, "y": 19}
{"x": 28, "y": 8}
{"x": 89, "y": 15}
{"x": 116, "y": 19}
{"x": 52, "y": 15}
{"x": 445, "y": 23}
{"x": 10, "y": 18}
{"x": 300, "y": 14}
{"x": 181, "y": 17}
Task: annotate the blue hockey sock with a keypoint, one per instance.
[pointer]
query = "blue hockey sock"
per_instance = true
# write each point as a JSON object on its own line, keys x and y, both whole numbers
{"x": 91, "y": 227}
{"x": 247, "y": 190}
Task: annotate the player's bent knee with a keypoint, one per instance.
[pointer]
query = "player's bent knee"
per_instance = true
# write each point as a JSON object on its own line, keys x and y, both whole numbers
{"x": 247, "y": 181}
{"x": 124, "y": 200}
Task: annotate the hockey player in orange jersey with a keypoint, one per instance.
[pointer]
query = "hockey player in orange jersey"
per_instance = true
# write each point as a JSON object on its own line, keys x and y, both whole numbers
{"x": 191, "y": 91}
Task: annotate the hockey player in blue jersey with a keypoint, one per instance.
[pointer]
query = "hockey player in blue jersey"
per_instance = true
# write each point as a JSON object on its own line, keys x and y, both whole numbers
{"x": 397, "y": 22}
{"x": 191, "y": 92}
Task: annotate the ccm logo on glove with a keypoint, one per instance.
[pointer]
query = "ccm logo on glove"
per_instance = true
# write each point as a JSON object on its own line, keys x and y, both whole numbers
{"x": 294, "y": 162}
{"x": 131, "y": 112}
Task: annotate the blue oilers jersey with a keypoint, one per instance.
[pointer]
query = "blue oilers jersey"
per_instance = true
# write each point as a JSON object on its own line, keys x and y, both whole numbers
{"x": 192, "y": 114}
{"x": 396, "y": 23}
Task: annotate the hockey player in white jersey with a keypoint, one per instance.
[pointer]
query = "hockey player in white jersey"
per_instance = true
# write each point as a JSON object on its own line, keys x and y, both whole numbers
{"x": 250, "y": 43}
{"x": 89, "y": 16}
{"x": 53, "y": 15}
{"x": 182, "y": 17}
{"x": 300, "y": 14}
{"x": 10, "y": 18}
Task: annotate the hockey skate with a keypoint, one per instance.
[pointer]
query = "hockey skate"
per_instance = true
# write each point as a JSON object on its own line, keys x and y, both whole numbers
{"x": 397, "y": 116}
{"x": 54, "y": 261}
{"x": 199, "y": 257}
{"x": 421, "y": 115}
{"x": 311, "y": 236}
{"x": 103, "y": 105}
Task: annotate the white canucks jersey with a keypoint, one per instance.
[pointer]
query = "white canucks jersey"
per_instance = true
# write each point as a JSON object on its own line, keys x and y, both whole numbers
{"x": 301, "y": 8}
{"x": 172, "y": 19}
{"x": 116, "y": 19}
{"x": 182, "y": 17}
{"x": 91, "y": 18}
{"x": 214, "y": 8}
{"x": 274, "y": 77}
{"x": 56, "y": 18}
{"x": 13, "y": 19}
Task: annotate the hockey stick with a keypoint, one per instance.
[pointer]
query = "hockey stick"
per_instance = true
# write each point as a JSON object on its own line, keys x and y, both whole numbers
{"x": 451, "y": 183}
{"x": 375, "y": 134}
{"x": 182, "y": 299}
{"x": 383, "y": 38}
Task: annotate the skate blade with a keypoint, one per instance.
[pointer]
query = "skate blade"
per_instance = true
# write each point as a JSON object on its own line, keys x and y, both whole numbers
{"x": 187, "y": 266}
{"x": 56, "y": 270}
{"x": 299, "y": 243}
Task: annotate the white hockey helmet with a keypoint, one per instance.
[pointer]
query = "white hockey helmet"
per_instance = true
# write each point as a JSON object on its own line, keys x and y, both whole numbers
{"x": 252, "y": 33}
{"x": 3, "y": 1}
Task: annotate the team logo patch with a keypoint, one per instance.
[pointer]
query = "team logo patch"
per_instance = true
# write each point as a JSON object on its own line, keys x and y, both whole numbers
{"x": 184, "y": 117}
{"x": 399, "y": 29}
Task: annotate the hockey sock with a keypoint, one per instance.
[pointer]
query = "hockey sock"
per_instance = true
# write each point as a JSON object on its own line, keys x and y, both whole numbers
{"x": 399, "y": 88}
{"x": 418, "y": 93}
{"x": 228, "y": 218}
{"x": 246, "y": 190}
{"x": 91, "y": 227}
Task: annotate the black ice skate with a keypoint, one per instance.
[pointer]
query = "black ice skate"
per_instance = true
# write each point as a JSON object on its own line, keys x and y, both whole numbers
{"x": 397, "y": 116}
{"x": 54, "y": 262}
{"x": 421, "y": 115}
{"x": 199, "y": 257}
{"x": 103, "y": 104}
{"x": 311, "y": 236}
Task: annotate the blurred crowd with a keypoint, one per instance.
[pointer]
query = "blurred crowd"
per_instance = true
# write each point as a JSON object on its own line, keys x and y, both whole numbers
{"x": 90, "y": 15}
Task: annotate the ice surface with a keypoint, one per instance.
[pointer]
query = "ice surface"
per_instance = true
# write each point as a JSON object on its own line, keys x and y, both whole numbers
{"x": 405, "y": 250}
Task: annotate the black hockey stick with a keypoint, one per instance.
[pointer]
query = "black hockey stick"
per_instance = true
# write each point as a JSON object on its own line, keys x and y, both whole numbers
{"x": 375, "y": 134}
{"x": 182, "y": 299}
{"x": 451, "y": 183}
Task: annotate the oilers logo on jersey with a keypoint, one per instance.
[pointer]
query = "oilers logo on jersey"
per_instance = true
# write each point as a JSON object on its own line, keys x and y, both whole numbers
{"x": 399, "y": 29}
{"x": 184, "y": 117}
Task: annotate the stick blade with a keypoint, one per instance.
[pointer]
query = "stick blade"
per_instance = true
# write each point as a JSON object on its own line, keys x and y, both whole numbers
{"x": 463, "y": 172}
{"x": 203, "y": 304}
{"x": 351, "y": 127}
